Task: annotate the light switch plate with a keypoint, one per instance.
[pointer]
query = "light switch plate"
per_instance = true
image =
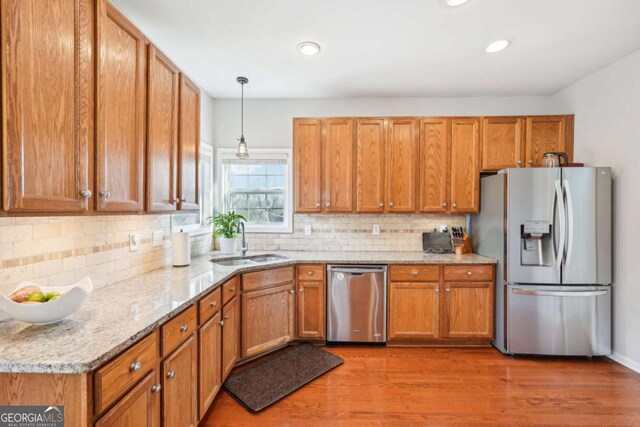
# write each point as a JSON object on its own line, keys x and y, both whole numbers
{"x": 307, "y": 230}
{"x": 133, "y": 242}
{"x": 375, "y": 229}
{"x": 158, "y": 236}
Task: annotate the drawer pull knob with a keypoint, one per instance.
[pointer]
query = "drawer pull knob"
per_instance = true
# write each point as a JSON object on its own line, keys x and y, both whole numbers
{"x": 437, "y": 290}
{"x": 184, "y": 328}
{"x": 135, "y": 366}
{"x": 444, "y": 205}
{"x": 213, "y": 303}
{"x": 171, "y": 374}
{"x": 310, "y": 273}
{"x": 381, "y": 205}
{"x": 455, "y": 205}
{"x": 85, "y": 194}
{"x": 469, "y": 273}
{"x": 156, "y": 388}
{"x": 226, "y": 317}
{"x": 232, "y": 289}
{"x": 221, "y": 323}
{"x": 301, "y": 289}
{"x": 291, "y": 291}
{"x": 414, "y": 273}
{"x": 448, "y": 290}
{"x": 530, "y": 162}
{"x": 317, "y": 205}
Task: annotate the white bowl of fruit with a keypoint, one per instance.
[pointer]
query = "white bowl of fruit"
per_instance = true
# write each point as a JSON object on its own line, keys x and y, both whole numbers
{"x": 41, "y": 305}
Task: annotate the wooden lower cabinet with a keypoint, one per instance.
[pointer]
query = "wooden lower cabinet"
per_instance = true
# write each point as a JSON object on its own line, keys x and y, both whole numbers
{"x": 139, "y": 408}
{"x": 267, "y": 319}
{"x": 468, "y": 310}
{"x": 414, "y": 310}
{"x": 230, "y": 336}
{"x": 180, "y": 386}
{"x": 210, "y": 362}
{"x": 311, "y": 309}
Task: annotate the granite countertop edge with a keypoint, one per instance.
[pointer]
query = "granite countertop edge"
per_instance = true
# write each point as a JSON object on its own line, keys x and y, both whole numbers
{"x": 210, "y": 276}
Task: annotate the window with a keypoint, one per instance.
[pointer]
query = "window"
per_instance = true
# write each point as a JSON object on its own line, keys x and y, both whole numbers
{"x": 258, "y": 188}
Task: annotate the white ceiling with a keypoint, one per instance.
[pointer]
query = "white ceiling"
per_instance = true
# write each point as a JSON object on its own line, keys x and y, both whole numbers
{"x": 388, "y": 48}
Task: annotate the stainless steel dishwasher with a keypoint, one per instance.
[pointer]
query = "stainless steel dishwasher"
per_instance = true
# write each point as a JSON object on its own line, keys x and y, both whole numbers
{"x": 357, "y": 303}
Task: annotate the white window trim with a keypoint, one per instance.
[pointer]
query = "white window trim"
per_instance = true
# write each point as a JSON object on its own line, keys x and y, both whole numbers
{"x": 202, "y": 229}
{"x": 260, "y": 153}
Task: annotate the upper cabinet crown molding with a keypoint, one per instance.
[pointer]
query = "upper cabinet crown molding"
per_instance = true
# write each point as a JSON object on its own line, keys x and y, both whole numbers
{"x": 47, "y": 105}
{"x": 120, "y": 112}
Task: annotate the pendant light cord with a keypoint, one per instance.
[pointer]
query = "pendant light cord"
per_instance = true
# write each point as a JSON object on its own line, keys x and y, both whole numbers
{"x": 242, "y": 111}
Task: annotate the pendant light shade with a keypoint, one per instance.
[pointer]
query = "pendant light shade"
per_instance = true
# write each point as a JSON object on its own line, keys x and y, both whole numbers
{"x": 243, "y": 152}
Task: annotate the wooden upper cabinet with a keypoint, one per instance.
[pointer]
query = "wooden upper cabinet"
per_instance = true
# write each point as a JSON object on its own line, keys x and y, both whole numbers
{"x": 307, "y": 151}
{"x": 188, "y": 144}
{"x": 502, "y": 143}
{"x": 162, "y": 133}
{"x": 47, "y": 104}
{"x": 339, "y": 156}
{"x": 435, "y": 164}
{"x": 465, "y": 176}
{"x": 120, "y": 112}
{"x": 544, "y": 134}
{"x": 402, "y": 156}
{"x": 370, "y": 165}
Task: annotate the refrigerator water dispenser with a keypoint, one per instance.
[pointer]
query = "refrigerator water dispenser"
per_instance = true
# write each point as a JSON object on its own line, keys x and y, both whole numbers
{"x": 537, "y": 243}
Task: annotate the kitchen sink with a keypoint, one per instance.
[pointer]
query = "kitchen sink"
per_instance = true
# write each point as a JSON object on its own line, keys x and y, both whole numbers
{"x": 230, "y": 262}
{"x": 256, "y": 259}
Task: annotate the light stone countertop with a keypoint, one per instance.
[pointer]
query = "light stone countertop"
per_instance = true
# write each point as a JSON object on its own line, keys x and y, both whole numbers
{"x": 118, "y": 315}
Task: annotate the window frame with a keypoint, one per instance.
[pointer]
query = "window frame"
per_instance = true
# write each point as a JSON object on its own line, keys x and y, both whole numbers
{"x": 266, "y": 154}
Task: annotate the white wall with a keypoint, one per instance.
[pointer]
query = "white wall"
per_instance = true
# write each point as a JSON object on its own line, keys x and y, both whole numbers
{"x": 268, "y": 122}
{"x": 607, "y": 133}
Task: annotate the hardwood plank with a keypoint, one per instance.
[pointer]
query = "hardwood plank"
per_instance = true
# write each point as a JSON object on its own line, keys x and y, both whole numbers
{"x": 409, "y": 386}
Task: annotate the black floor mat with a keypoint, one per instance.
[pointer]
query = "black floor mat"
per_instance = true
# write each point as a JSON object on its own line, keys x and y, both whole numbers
{"x": 268, "y": 381}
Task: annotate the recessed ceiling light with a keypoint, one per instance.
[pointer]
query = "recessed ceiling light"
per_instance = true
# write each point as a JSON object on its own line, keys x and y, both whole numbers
{"x": 309, "y": 48}
{"x": 497, "y": 46}
{"x": 456, "y": 3}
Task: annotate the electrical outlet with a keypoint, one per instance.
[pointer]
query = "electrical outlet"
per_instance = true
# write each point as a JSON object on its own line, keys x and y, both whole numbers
{"x": 443, "y": 228}
{"x": 158, "y": 236}
{"x": 307, "y": 230}
{"x": 133, "y": 242}
{"x": 375, "y": 229}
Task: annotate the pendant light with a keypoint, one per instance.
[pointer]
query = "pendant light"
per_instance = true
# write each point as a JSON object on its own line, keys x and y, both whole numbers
{"x": 242, "y": 153}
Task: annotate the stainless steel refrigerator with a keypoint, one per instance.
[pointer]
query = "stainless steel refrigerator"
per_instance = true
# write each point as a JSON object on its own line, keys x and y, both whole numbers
{"x": 550, "y": 230}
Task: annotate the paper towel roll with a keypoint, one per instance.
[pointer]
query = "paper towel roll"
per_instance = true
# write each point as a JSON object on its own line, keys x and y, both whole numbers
{"x": 180, "y": 249}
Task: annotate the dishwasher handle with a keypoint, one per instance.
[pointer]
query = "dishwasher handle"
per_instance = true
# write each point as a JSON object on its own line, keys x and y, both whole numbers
{"x": 357, "y": 270}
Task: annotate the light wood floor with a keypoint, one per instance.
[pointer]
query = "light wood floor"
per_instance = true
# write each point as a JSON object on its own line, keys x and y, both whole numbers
{"x": 418, "y": 386}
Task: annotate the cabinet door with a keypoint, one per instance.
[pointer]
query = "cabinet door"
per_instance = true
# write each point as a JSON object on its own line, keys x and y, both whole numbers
{"x": 47, "y": 104}
{"x": 468, "y": 310}
{"x": 230, "y": 336}
{"x": 465, "y": 177}
{"x": 180, "y": 386}
{"x": 545, "y": 133}
{"x": 435, "y": 164}
{"x": 139, "y": 408}
{"x": 307, "y": 157}
{"x": 370, "y": 165}
{"x": 210, "y": 366}
{"x": 502, "y": 143}
{"x": 402, "y": 155}
{"x": 162, "y": 133}
{"x": 311, "y": 309}
{"x": 188, "y": 144}
{"x": 338, "y": 147}
{"x": 120, "y": 112}
{"x": 267, "y": 319}
{"x": 414, "y": 310}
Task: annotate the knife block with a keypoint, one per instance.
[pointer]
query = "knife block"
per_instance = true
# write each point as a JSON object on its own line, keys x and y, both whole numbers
{"x": 463, "y": 248}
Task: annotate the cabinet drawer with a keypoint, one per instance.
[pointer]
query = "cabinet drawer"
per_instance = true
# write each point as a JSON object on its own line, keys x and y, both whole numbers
{"x": 229, "y": 290}
{"x": 209, "y": 305}
{"x": 311, "y": 272}
{"x": 115, "y": 379}
{"x": 414, "y": 273}
{"x": 473, "y": 273}
{"x": 266, "y": 278}
{"x": 177, "y": 330}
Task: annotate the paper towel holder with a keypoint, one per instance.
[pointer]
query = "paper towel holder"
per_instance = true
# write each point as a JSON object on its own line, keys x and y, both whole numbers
{"x": 180, "y": 249}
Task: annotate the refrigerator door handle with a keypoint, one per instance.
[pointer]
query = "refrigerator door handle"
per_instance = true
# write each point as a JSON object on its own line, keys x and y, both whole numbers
{"x": 563, "y": 224}
{"x": 559, "y": 293}
{"x": 569, "y": 246}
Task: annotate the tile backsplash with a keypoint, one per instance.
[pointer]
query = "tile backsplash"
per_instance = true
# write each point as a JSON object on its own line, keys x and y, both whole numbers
{"x": 61, "y": 250}
{"x": 353, "y": 232}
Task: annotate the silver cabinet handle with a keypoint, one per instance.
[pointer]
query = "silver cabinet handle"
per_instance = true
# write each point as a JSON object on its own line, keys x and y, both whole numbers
{"x": 327, "y": 204}
{"x": 86, "y": 193}
{"x": 390, "y": 204}
{"x": 291, "y": 291}
{"x": 444, "y": 205}
{"x": 448, "y": 290}
{"x": 317, "y": 205}
{"x": 469, "y": 273}
{"x": 156, "y": 388}
{"x": 301, "y": 290}
{"x": 135, "y": 366}
{"x": 530, "y": 162}
{"x": 519, "y": 162}
{"x": 213, "y": 304}
{"x": 105, "y": 194}
{"x": 171, "y": 374}
{"x": 381, "y": 205}
{"x": 226, "y": 317}
{"x": 455, "y": 205}
{"x": 232, "y": 288}
{"x": 221, "y": 323}
{"x": 310, "y": 273}
{"x": 414, "y": 273}
{"x": 184, "y": 328}
{"x": 437, "y": 290}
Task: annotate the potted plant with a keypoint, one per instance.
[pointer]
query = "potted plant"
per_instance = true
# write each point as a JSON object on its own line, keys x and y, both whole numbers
{"x": 225, "y": 227}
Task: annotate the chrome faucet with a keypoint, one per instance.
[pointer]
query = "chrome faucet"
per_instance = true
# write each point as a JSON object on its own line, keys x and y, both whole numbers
{"x": 245, "y": 247}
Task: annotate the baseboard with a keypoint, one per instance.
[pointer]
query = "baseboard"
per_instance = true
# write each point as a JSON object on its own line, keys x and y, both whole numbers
{"x": 625, "y": 361}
